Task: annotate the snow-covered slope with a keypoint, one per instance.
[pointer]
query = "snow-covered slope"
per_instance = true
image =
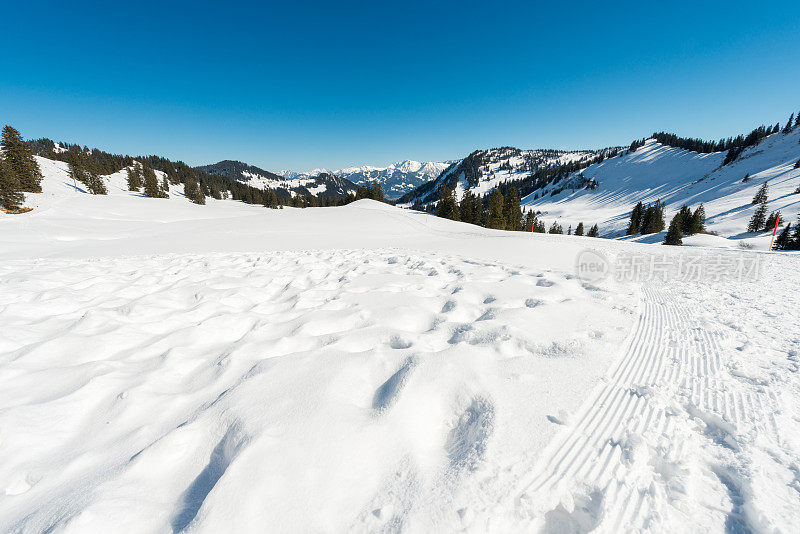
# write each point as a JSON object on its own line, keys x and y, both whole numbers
{"x": 679, "y": 177}
{"x": 230, "y": 368}
{"x": 396, "y": 179}
{"x": 483, "y": 170}
{"x": 605, "y": 192}
{"x": 317, "y": 184}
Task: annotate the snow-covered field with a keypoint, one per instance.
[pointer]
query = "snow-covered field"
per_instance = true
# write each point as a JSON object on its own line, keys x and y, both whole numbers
{"x": 229, "y": 368}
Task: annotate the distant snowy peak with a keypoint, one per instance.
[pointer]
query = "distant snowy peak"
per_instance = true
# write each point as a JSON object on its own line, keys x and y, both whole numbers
{"x": 318, "y": 183}
{"x": 396, "y": 179}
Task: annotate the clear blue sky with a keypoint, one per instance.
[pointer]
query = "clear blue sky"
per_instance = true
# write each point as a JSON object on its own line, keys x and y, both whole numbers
{"x": 309, "y": 84}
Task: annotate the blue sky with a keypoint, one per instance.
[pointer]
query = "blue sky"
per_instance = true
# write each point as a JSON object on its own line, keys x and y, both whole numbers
{"x": 300, "y": 85}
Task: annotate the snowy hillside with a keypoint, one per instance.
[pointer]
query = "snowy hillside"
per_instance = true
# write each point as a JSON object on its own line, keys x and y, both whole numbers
{"x": 484, "y": 170}
{"x": 679, "y": 177}
{"x": 169, "y": 367}
{"x": 318, "y": 184}
{"x": 604, "y": 192}
{"x": 396, "y": 179}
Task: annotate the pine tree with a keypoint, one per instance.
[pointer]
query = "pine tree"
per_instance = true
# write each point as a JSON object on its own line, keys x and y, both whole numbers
{"x": 698, "y": 220}
{"x": 10, "y": 196}
{"x": 579, "y": 229}
{"x": 569, "y": 230}
{"x": 134, "y": 178}
{"x": 192, "y": 191}
{"x": 151, "y": 188}
{"x": 555, "y": 228}
{"x": 636, "y": 219}
{"x": 788, "y": 127}
{"x": 771, "y": 220}
{"x": 530, "y": 221}
{"x": 376, "y": 191}
{"x": 797, "y": 165}
{"x": 673, "y": 236}
{"x": 761, "y": 195}
{"x": 496, "y": 202}
{"x": 653, "y": 218}
{"x": 512, "y": 211}
{"x": 685, "y": 220}
{"x": 19, "y": 158}
{"x": 94, "y": 184}
{"x": 782, "y": 242}
{"x": 594, "y": 231}
{"x": 447, "y": 207}
{"x": 758, "y": 219}
{"x": 794, "y": 242}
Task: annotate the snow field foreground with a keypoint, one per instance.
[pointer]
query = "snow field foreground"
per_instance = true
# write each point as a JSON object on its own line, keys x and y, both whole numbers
{"x": 286, "y": 391}
{"x": 158, "y": 375}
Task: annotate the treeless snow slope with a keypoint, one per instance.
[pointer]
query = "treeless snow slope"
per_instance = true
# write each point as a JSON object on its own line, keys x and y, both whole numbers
{"x": 172, "y": 367}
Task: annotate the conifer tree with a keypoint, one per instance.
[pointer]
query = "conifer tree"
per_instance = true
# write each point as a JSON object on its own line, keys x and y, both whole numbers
{"x": 788, "y": 127}
{"x": 698, "y": 220}
{"x": 151, "y": 188}
{"x": 636, "y": 219}
{"x": 594, "y": 231}
{"x": 758, "y": 219}
{"x": 673, "y": 236}
{"x": 653, "y": 218}
{"x": 794, "y": 242}
{"x": 783, "y": 241}
{"x": 10, "y": 196}
{"x": 496, "y": 219}
{"x": 376, "y": 192}
{"x": 512, "y": 211}
{"x": 685, "y": 220}
{"x": 555, "y": 228}
{"x": 447, "y": 207}
{"x": 579, "y": 229}
{"x": 19, "y": 158}
{"x": 771, "y": 220}
{"x": 94, "y": 184}
{"x": 192, "y": 191}
{"x": 530, "y": 221}
{"x": 761, "y": 195}
{"x": 134, "y": 178}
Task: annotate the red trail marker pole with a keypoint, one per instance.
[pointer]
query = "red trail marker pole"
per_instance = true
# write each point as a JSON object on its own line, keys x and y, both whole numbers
{"x": 775, "y": 231}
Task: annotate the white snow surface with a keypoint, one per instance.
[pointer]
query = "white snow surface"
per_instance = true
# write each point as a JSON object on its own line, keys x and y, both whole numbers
{"x": 678, "y": 177}
{"x": 229, "y": 368}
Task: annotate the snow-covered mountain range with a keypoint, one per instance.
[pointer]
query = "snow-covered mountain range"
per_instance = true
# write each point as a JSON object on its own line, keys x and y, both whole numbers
{"x": 317, "y": 184}
{"x": 603, "y": 186}
{"x": 396, "y": 179}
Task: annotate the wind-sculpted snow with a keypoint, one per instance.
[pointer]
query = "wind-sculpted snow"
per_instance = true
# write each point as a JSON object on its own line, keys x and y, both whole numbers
{"x": 282, "y": 391}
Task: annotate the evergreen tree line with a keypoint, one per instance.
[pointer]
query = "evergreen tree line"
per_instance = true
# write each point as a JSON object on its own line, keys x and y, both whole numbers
{"x": 496, "y": 210}
{"x": 85, "y": 164}
{"x": 19, "y": 172}
{"x": 733, "y": 145}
